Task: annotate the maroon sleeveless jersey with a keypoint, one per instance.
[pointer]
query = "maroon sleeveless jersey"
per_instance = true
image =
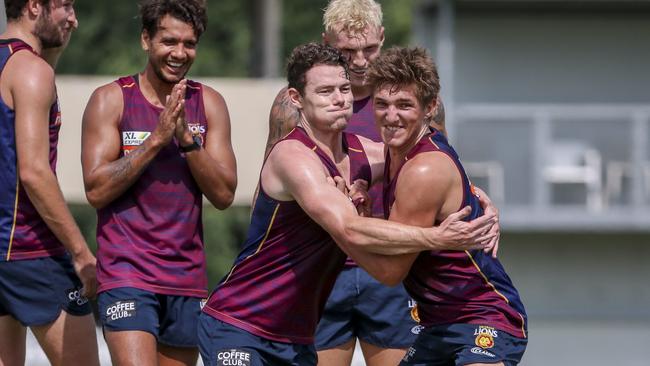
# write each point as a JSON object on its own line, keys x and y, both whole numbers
{"x": 151, "y": 237}
{"x": 279, "y": 283}
{"x": 458, "y": 286}
{"x": 23, "y": 233}
{"x": 362, "y": 123}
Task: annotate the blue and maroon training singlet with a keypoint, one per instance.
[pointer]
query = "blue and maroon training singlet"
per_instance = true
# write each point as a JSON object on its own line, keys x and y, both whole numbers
{"x": 151, "y": 237}
{"x": 23, "y": 233}
{"x": 279, "y": 283}
{"x": 362, "y": 123}
{"x": 458, "y": 286}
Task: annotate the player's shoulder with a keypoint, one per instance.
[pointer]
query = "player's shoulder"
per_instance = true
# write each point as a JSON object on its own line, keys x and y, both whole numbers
{"x": 107, "y": 101}
{"x": 108, "y": 93}
{"x": 212, "y": 99}
{"x": 430, "y": 167}
{"x": 30, "y": 68}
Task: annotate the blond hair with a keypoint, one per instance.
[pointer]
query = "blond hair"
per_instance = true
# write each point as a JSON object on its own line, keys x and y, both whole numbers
{"x": 352, "y": 16}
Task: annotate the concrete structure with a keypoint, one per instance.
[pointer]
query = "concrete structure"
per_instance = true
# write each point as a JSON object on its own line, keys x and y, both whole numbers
{"x": 521, "y": 77}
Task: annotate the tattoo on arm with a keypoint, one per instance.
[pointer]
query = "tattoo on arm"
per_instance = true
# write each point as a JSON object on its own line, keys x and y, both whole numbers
{"x": 284, "y": 117}
{"x": 124, "y": 166}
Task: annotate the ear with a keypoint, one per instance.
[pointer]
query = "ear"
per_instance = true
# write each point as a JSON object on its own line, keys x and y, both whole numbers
{"x": 325, "y": 40}
{"x": 295, "y": 97}
{"x": 430, "y": 108}
{"x": 381, "y": 36}
{"x": 145, "y": 40}
{"x": 33, "y": 8}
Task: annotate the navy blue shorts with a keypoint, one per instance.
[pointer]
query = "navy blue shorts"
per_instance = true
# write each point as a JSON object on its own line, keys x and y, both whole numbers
{"x": 223, "y": 344}
{"x": 361, "y": 307}
{"x": 34, "y": 291}
{"x": 171, "y": 319}
{"x": 462, "y": 344}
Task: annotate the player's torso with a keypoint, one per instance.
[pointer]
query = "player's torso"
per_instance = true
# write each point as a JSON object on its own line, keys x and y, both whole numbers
{"x": 459, "y": 286}
{"x": 280, "y": 281}
{"x": 23, "y": 233}
{"x": 151, "y": 237}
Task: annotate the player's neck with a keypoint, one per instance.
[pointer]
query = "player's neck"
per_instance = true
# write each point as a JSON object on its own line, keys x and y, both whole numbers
{"x": 18, "y": 31}
{"x": 361, "y": 92}
{"x": 329, "y": 141}
{"x": 153, "y": 88}
{"x": 398, "y": 153}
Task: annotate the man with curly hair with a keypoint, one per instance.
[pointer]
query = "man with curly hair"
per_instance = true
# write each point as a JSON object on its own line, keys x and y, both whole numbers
{"x": 383, "y": 319}
{"x": 153, "y": 144}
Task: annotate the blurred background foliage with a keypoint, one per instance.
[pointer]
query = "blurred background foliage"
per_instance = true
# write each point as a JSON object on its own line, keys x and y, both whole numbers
{"x": 108, "y": 39}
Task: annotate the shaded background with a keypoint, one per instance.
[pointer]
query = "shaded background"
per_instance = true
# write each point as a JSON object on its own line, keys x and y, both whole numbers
{"x": 547, "y": 105}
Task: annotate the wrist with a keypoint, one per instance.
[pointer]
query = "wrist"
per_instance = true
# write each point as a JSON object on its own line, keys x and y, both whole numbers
{"x": 195, "y": 143}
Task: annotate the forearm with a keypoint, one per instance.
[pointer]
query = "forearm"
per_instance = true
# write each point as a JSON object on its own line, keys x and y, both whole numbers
{"x": 217, "y": 180}
{"x": 109, "y": 181}
{"x": 43, "y": 191}
{"x": 387, "y": 269}
{"x": 387, "y": 237}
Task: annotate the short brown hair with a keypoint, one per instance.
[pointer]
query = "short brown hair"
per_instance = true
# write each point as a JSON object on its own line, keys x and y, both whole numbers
{"x": 305, "y": 57}
{"x": 401, "y": 66}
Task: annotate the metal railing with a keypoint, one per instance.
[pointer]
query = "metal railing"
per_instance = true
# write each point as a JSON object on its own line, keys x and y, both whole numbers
{"x": 628, "y": 123}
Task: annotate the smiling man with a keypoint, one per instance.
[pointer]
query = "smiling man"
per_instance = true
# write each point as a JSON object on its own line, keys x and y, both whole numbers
{"x": 266, "y": 310}
{"x": 153, "y": 144}
{"x": 469, "y": 308}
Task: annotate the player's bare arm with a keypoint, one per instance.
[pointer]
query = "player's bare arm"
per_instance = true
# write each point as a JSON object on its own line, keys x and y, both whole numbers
{"x": 283, "y": 118}
{"x": 294, "y": 172}
{"x": 106, "y": 174}
{"x": 453, "y": 231}
{"x": 28, "y": 87}
{"x": 213, "y": 166}
{"x": 428, "y": 189}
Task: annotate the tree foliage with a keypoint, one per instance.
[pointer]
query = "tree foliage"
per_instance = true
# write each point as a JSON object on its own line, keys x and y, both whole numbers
{"x": 108, "y": 39}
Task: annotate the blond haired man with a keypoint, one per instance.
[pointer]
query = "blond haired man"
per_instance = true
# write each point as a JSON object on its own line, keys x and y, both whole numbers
{"x": 384, "y": 319}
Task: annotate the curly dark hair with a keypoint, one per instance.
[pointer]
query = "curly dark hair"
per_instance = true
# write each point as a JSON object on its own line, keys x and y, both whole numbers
{"x": 14, "y": 8}
{"x": 189, "y": 11}
{"x": 308, "y": 55}
{"x": 401, "y": 66}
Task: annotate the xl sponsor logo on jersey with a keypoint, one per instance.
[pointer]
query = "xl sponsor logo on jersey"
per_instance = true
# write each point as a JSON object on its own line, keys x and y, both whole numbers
{"x": 74, "y": 296}
{"x": 485, "y": 336}
{"x": 132, "y": 139}
{"x": 233, "y": 357}
{"x": 120, "y": 310}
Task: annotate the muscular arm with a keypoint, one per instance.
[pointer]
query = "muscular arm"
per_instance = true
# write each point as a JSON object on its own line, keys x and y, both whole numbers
{"x": 30, "y": 84}
{"x": 283, "y": 118}
{"x": 106, "y": 174}
{"x": 214, "y": 167}
{"x": 294, "y": 172}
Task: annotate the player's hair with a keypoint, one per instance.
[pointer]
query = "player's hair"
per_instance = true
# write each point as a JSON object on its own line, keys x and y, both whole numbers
{"x": 352, "y": 16}
{"x": 14, "y": 8}
{"x": 189, "y": 11}
{"x": 308, "y": 55}
{"x": 401, "y": 66}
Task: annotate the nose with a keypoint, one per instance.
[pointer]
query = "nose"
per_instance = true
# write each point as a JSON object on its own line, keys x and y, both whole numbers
{"x": 391, "y": 114}
{"x": 337, "y": 97}
{"x": 359, "y": 59}
{"x": 72, "y": 19}
{"x": 179, "y": 52}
